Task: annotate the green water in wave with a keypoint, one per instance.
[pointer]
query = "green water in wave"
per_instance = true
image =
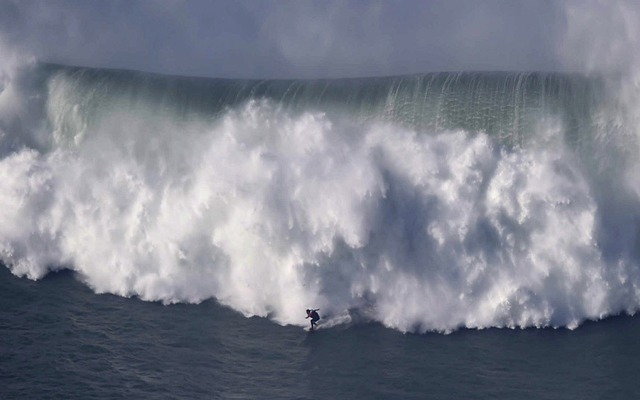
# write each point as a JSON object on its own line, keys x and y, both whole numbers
{"x": 507, "y": 105}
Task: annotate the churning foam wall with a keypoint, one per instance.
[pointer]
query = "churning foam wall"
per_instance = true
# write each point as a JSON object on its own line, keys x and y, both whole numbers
{"x": 271, "y": 212}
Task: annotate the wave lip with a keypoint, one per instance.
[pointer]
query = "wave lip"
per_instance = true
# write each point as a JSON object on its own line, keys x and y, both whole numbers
{"x": 505, "y": 104}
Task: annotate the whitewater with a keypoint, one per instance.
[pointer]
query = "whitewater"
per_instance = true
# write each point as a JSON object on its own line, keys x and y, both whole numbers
{"x": 427, "y": 202}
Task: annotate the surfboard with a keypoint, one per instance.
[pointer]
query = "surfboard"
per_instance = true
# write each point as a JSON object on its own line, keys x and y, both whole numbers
{"x": 312, "y": 329}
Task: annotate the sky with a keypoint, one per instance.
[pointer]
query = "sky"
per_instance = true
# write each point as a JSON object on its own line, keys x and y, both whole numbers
{"x": 311, "y": 39}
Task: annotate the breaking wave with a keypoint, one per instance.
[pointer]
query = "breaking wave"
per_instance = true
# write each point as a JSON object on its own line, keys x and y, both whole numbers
{"x": 427, "y": 203}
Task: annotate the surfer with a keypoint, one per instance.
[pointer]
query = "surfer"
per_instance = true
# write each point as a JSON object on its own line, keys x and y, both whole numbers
{"x": 313, "y": 314}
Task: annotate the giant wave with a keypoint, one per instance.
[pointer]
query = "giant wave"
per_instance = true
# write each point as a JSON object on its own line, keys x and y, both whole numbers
{"x": 427, "y": 202}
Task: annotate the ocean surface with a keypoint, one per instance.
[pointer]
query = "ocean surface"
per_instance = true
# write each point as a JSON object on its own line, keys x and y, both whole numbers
{"x": 61, "y": 340}
{"x": 464, "y": 235}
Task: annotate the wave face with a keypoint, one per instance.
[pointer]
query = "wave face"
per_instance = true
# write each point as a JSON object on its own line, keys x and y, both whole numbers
{"x": 427, "y": 203}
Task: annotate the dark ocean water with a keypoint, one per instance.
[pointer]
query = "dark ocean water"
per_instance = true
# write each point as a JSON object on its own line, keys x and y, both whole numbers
{"x": 58, "y": 339}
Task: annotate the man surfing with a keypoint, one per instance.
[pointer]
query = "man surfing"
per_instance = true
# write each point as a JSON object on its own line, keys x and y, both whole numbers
{"x": 313, "y": 314}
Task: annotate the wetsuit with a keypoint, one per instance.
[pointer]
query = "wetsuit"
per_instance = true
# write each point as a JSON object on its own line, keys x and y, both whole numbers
{"x": 314, "y": 317}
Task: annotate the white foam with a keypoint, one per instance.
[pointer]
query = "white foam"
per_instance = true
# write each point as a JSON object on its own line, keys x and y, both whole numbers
{"x": 272, "y": 212}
